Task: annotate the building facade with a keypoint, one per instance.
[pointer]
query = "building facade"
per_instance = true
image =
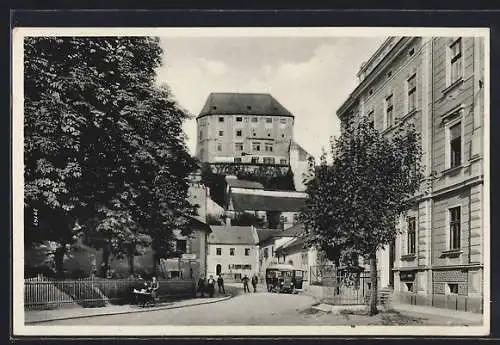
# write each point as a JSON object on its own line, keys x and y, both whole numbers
{"x": 244, "y": 128}
{"x": 232, "y": 251}
{"x": 436, "y": 84}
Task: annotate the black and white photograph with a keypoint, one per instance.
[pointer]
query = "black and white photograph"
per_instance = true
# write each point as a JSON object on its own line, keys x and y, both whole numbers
{"x": 251, "y": 181}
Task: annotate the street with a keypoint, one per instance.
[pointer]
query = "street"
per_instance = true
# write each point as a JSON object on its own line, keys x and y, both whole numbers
{"x": 259, "y": 308}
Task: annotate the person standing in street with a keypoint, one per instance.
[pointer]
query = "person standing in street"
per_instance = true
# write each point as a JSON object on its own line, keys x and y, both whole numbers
{"x": 155, "y": 286}
{"x": 255, "y": 280}
{"x": 245, "y": 283}
{"x": 211, "y": 286}
{"x": 201, "y": 286}
{"x": 220, "y": 284}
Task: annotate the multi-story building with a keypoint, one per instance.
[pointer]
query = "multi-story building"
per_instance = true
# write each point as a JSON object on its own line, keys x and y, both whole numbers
{"x": 437, "y": 85}
{"x": 232, "y": 251}
{"x": 244, "y": 128}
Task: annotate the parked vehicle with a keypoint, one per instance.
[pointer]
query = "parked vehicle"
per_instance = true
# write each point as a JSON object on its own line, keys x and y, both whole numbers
{"x": 284, "y": 278}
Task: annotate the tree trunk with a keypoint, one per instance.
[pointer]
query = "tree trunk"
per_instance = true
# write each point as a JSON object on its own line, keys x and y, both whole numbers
{"x": 131, "y": 257}
{"x": 374, "y": 287}
{"x": 156, "y": 260}
{"x": 105, "y": 260}
{"x": 59, "y": 260}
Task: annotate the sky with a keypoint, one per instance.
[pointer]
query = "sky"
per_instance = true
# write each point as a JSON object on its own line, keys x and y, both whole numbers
{"x": 310, "y": 76}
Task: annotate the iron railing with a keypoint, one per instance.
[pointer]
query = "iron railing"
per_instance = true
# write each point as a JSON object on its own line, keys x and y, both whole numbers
{"x": 44, "y": 293}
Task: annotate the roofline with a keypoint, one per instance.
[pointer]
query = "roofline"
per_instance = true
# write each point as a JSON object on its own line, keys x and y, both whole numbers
{"x": 368, "y": 79}
{"x": 243, "y": 93}
{"x": 229, "y": 113}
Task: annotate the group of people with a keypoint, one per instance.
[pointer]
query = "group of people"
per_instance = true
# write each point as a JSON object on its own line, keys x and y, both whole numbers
{"x": 254, "y": 282}
{"x": 207, "y": 286}
{"x": 147, "y": 287}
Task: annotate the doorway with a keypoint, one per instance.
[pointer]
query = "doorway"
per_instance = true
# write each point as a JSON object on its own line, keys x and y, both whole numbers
{"x": 218, "y": 269}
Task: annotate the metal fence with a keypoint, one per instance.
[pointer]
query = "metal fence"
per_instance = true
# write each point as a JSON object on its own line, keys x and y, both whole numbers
{"x": 43, "y": 293}
{"x": 341, "y": 287}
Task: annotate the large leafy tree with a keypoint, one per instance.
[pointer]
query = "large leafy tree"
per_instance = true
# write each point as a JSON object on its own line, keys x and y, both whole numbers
{"x": 105, "y": 154}
{"x": 355, "y": 201}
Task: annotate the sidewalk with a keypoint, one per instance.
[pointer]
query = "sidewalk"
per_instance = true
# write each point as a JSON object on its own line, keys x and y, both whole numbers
{"x": 409, "y": 310}
{"x": 37, "y": 316}
{"x": 441, "y": 312}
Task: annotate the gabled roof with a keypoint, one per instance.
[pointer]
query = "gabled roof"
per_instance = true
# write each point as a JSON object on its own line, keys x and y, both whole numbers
{"x": 295, "y": 230}
{"x": 255, "y": 202}
{"x": 303, "y": 154}
{"x": 266, "y": 234}
{"x": 222, "y": 234}
{"x": 244, "y": 184}
{"x": 243, "y": 103}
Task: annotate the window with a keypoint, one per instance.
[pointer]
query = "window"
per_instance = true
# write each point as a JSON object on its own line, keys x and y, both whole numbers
{"x": 255, "y": 160}
{"x": 231, "y": 251}
{"x": 221, "y": 119}
{"x": 238, "y": 146}
{"x": 269, "y": 120}
{"x": 283, "y": 161}
{"x": 247, "y": 267}
{"x": 201, "y": 135}
{"x": 238, "y": 133}
{"x": 219, "y": 147}
{"x": 388, "y": 111}
{"x": 411, "y": 52}
{"x": 247, "y": 251}
{"x": 454, "y": 228}
{"x": 272, "y": 250}
{"x": 453, "y": 289}
{"x": 255, "y": 119}
{"x": 282, "y": 135}
{"x": 409, "y": 287}
{"x": 411, "y": 235}
{"x": 268, "y": 147}
{"x": 268, "y": 160}
{"x": 455, "y": 61}
{"x": 181, "y": 246}
{"x": 283, "y": 121}
{"x": 370, "y": 92}
{"x": 221, "y": 133}
{"x": 256, "y": 146}
{"x": 412, "y": 92}
{"x": 237, "y": 159}
{"x": 218, "y": 251}
{"x": 239, "y": 119}
{"x": 237, "y": 267}
{"x": 455, "y": 145}
{"x": 266, "y": 252}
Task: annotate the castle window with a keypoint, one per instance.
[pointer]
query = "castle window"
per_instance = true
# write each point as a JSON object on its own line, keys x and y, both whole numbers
{"x": 221, "y": 119}
{"x": 238, "y": 146}
{"x": 268, "y": 147}
{"x": 256, "y": 146}
{"x": 238, "y": 133}
{"x": 221, "y": 133}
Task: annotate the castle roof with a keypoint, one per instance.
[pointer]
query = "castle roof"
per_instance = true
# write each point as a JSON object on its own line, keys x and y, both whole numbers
{"x": 243, "y": 104}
